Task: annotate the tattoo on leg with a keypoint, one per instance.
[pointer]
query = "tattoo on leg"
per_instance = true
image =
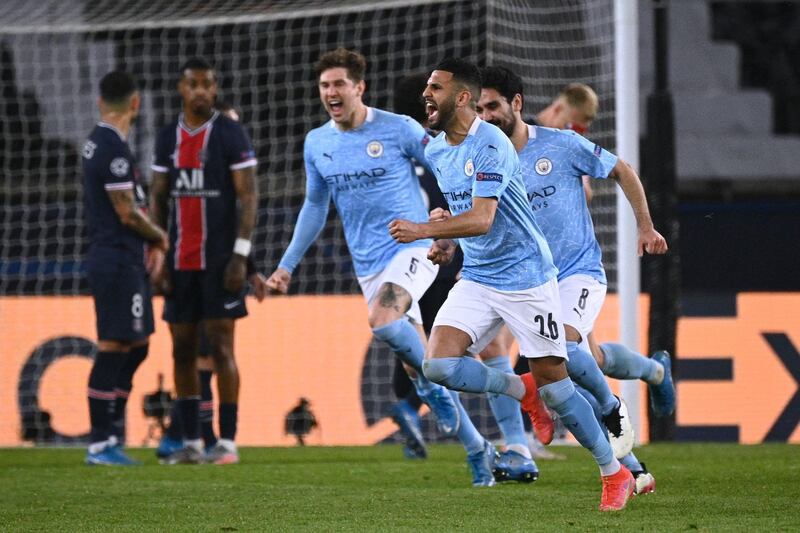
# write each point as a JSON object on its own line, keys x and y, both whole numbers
{"x": 390, "y": 296}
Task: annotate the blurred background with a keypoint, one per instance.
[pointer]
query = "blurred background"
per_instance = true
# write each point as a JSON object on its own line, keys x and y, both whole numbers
{"x": 716, "y": 127}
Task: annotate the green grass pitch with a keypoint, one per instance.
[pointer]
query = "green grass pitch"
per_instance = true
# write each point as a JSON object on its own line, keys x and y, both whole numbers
{"x": 699, "y": 487}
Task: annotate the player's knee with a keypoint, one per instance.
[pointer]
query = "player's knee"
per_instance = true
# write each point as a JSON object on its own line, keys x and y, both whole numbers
{"x": 387, "y": 331}
{"x": 438, "y": 370}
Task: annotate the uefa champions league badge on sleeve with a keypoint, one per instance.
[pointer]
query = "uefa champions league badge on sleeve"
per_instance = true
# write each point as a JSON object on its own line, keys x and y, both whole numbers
{"x": 119, "y": 167}
{"x": 469, "y": 168}
{"x": 374, "y": 149}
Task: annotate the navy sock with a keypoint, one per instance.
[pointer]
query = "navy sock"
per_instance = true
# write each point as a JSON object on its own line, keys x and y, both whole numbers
{"x": 100, "y": 393}
{"x": 228, "y": 413}
{"x": 189, "y": 408}
{"x": 173, "y": 431}
{"x": 123, "y": 388}
{"x": 207, "y": 408}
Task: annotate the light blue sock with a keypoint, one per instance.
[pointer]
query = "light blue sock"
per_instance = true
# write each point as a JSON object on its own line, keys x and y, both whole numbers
{"x": 404, "y": 341}
{"x": 466, "y": 374}
{"x": 631, "y": 463}
{"x": 622, "y": 363}
{"x": 506, "y": 409}
{"x": 592, "y": 403}
{"x": 468, "y": 434}
{"x": 583, "y": 369}
{"x": 576, "y": 413}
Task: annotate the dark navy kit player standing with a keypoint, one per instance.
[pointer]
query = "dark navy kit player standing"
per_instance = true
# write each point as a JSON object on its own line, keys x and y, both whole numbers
{"x": 124, "y": 246}
{"x": 204, "y": 184}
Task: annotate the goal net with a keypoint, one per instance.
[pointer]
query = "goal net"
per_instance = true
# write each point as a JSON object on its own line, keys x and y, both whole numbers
{"x": 52, "y": 55}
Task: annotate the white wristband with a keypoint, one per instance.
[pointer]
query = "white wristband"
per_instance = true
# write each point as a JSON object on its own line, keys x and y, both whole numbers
{"x": 242, "y": 247}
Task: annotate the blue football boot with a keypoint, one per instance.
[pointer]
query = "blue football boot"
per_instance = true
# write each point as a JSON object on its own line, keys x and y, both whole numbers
{"x": 168, "y": 446}
{"x": 110, "y": 456}
{"x": 662, "y": 396}
{"x": 407, "y": 419}
{"x": 444, "y": 408}
{"x": 482, "y": 464}
{"x": 513, "y": 466}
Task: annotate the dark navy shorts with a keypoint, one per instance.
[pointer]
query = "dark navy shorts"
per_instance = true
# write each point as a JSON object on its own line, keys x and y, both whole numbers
{"x": 199, "y": 295}
{"x": 123, "y": 303}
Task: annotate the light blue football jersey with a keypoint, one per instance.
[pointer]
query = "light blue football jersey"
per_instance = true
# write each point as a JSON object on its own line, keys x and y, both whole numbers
{"x": 369, "y": 174}
{"x": 553, "y": 162}
{"x": 513, "y": 255}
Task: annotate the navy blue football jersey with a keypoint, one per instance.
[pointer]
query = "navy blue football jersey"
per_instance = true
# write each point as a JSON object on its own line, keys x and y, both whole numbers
{"x": 203, "y": 221}
{"x": 109, "y": 165}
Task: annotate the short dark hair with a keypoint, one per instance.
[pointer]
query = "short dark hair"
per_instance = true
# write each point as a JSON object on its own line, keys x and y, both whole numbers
{"x": 464, "y": 73}
{"x": 503, "y": 81}
{"x": 408, "y": 96}
{"x": 117, "y": 87}
{"x": 196, "y": 63}
{"x": 352, "y": 61}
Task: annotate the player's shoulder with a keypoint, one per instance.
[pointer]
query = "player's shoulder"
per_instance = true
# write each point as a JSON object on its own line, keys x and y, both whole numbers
{"x": 107, "y": 135}
{"x": 104, "y": 141}
{"x": 491, "y": 137}
{"x": 383, "y": 117}
{"x": 436, "y": 143}
{"x": 224, "y": 123}
{"x": 555, "y": 136}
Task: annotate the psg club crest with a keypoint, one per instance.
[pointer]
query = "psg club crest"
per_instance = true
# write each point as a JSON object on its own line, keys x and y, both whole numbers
{"x": 469, "y": 168}
{"x": 375, "y": 149}
{"x": 119, "y": 167}
{"x": 543, "y": 166}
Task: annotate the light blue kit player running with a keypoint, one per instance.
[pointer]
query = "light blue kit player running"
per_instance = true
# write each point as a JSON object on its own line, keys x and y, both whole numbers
{"x": 361, "y": 159}
{"x": 508, "y": 275}
{"x": 553, "y": 164}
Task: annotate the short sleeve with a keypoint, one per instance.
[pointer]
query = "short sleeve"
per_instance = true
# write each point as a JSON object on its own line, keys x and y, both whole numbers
{"x": 591, "y": 159}
{"x": 240, "y": 150}
{"x": 492, "y": 175}
{"x": 116, "y": 168}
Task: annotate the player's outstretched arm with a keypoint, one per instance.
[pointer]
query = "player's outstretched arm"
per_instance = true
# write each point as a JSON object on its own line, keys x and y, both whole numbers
{"x": 476, "y": 221}
{"x": 650, "y": 240}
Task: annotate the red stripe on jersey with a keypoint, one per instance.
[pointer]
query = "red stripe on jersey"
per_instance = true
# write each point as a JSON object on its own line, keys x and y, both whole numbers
{"x": 190, "y": 148}
{"x": 191, "y": 234}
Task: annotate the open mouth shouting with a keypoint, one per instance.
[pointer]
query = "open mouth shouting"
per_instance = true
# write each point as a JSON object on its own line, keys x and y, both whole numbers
{"x": 432, "y": 110}
{"x": 335, "y": 106}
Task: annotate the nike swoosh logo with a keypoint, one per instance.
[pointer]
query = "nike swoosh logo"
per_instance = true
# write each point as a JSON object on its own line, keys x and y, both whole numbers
{"x": 231, "y": 305}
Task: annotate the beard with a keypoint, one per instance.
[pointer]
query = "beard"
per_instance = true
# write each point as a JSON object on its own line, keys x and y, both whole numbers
{"x": 444, "y": 114}
{"x": 507, "y": 125}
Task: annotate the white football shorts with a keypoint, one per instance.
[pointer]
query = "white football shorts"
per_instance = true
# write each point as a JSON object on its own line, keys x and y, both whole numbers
{"x": 582, "y": 299}
{"x": 532, "y": 315}
{"x": 411, "y": 270}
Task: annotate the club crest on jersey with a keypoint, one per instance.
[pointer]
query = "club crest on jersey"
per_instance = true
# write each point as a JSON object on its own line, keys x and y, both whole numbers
{"x": 543, "y": 166}
{"x": 119, "y": 167}
{"x": 469, "y": 168}
{"x": 374, "y": 149}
